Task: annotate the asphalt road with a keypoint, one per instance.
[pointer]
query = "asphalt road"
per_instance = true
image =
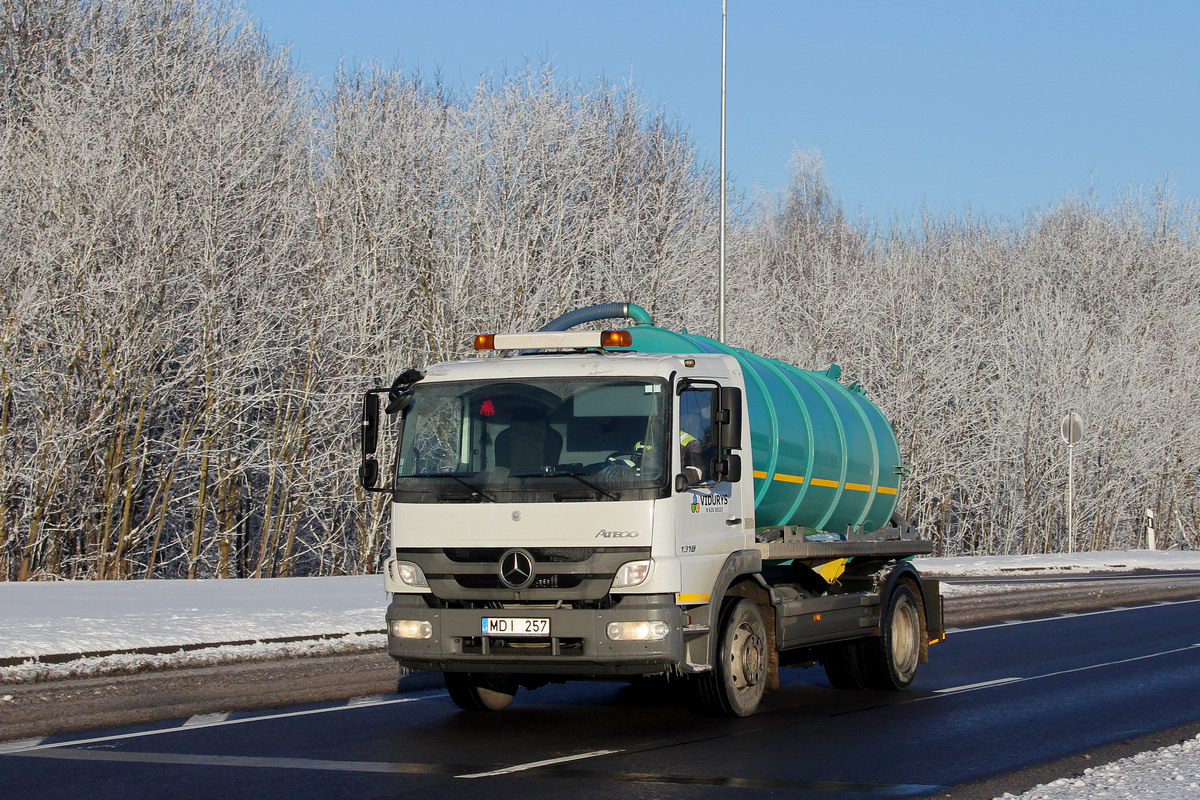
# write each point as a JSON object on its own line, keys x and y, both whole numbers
{"x": 997, "y": 705}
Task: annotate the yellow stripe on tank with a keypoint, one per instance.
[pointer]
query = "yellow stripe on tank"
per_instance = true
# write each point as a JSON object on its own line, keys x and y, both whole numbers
{"x": 854, "y": 487}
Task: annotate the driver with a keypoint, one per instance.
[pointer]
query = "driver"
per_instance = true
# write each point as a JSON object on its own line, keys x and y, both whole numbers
{"x": 691, "y": 457}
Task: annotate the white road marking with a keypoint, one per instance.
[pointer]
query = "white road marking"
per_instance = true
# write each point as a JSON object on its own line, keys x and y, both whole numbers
{"x": 210, "y": 724}
{"x": 200, "y": 760}
{"x": 205, "y": 720}
{"x": 20, "y": 745}
{"x": 1006, "y": 681}
{"x": 973, "y": 686}
{"x": 1070, "y": 615}
{"x": 535, "y": 764}
{"x": 400, "y": 768}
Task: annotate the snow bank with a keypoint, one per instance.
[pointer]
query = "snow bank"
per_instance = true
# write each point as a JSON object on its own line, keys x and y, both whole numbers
{"x": 1172, "y": 773}
{"x": 1060, "y": 563}
{"x": 70, "y": 617}
{"x": 48, "y": 618}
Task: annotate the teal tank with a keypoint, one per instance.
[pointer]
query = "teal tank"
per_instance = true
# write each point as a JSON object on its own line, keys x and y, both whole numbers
{"x": 824, "y": 455}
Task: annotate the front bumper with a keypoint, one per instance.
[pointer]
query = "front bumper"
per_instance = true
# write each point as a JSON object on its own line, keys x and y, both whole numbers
{"x": 577, "y": 646}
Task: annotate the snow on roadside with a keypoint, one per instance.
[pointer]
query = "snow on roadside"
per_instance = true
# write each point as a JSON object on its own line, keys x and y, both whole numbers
{"x": 1060, "y": 563}
{"x": 949, "y": 589}
{"x": 39, "y": 619}
{"x": 48, "y": 618}
{"x": 32, "y": 671}
{"x": 1172, "y": 773}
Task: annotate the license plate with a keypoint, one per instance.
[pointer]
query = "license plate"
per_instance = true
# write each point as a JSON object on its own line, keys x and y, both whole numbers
{"x": 516, "y": 626}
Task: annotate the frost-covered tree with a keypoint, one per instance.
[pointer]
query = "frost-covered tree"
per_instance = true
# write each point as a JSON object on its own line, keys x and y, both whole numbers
{"x": 976, "y": 337}
{"x": 205, "y": 261}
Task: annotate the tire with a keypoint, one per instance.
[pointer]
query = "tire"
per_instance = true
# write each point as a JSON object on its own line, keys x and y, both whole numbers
{"x": 890, "y": 660}
{"x": 734, "y": 686}
{"x": 480, "y": 691}
{"x": 844, "y": 665}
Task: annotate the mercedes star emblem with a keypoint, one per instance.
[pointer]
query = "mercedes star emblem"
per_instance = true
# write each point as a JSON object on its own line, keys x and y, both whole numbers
{"x": 516, "y": 569}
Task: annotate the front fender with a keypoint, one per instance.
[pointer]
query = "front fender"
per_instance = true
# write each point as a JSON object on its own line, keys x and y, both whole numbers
{"x": 701, "y": 648}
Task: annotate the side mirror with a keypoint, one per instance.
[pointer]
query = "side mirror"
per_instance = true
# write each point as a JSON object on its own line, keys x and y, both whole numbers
{"x": 727, "y": 467}
{"x": 368, "y": 473}
{"x": 370, "y": 424}
{"x": 727, "y": 418}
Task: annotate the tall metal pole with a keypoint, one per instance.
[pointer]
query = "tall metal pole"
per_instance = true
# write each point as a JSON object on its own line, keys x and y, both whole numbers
{"x": 1072, "y": 432}
{"x": 1071, "y": 497}
{"x": 721, "y": 280}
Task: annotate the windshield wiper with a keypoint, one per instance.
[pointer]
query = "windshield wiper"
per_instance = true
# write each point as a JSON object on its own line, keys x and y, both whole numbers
{"x": 611, "y": 495}
{"x": 475, "y": 489}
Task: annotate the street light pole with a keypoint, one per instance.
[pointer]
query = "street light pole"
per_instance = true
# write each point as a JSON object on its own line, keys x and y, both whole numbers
{"x": 1072, "y": 432}
{"x": 721, "y": 279}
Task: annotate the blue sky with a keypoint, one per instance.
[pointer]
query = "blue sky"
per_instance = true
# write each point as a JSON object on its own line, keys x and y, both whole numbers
{"x": 1000, "y": 108}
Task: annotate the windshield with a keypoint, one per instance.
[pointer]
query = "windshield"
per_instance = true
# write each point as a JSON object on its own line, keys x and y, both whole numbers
{"x": 540, "y": 438}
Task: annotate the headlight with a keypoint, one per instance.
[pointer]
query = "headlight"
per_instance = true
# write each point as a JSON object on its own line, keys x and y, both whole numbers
{"x": 409, "y": 574}
{"x": 652, "y": 631}
{"x": 632, "y": 574}
{"x": 410, "y": 628}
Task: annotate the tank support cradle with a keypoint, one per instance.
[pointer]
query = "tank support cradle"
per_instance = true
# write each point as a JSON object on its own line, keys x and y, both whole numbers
{"x": 792, "y": 541}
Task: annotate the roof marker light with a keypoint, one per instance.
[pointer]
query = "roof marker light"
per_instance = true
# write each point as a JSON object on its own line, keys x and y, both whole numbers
{"x": 616, "y": 339}
{"x": 485, "y": 341}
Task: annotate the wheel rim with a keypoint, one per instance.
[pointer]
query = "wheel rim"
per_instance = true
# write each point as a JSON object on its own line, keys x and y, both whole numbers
{"x": 906, "y": 647}
{"x": 747, "y": 667}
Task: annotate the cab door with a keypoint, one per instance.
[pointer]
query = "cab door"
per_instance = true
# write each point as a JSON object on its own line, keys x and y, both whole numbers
{"x": 709, "y": 518}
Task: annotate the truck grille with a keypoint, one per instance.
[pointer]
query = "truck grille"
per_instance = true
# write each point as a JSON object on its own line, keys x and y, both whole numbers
{"x": 558, "y": 573}
{"x": 493, "y": 582}
{"x": 476, "y": 555}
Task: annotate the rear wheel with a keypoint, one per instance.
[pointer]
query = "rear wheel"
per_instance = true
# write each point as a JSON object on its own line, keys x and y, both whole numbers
{"x": 734, "y": 686}
{"x": 890, "y": 660}
{"x": 844, "y": 665}
{"x": 480, "y": 691}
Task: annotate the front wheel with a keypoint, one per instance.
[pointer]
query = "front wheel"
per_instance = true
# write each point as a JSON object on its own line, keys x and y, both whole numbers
{"x": 734, "y": 687}
{"x": 480, "y": 691}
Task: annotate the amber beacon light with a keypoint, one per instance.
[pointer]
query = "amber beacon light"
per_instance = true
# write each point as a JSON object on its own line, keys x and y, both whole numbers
{"x": 616, "y": 339}
{"x": 553, "y": 340}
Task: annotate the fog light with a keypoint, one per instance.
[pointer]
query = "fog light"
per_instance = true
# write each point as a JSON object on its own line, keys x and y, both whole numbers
{"x": 632, "y": 574}
{"x": 409, "y": 574}
{"x": 410, "y": 628}
{"x": 652, "y": 631}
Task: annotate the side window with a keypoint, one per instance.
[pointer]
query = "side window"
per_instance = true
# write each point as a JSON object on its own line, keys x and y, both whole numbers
{"x": 695, "y": 434}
